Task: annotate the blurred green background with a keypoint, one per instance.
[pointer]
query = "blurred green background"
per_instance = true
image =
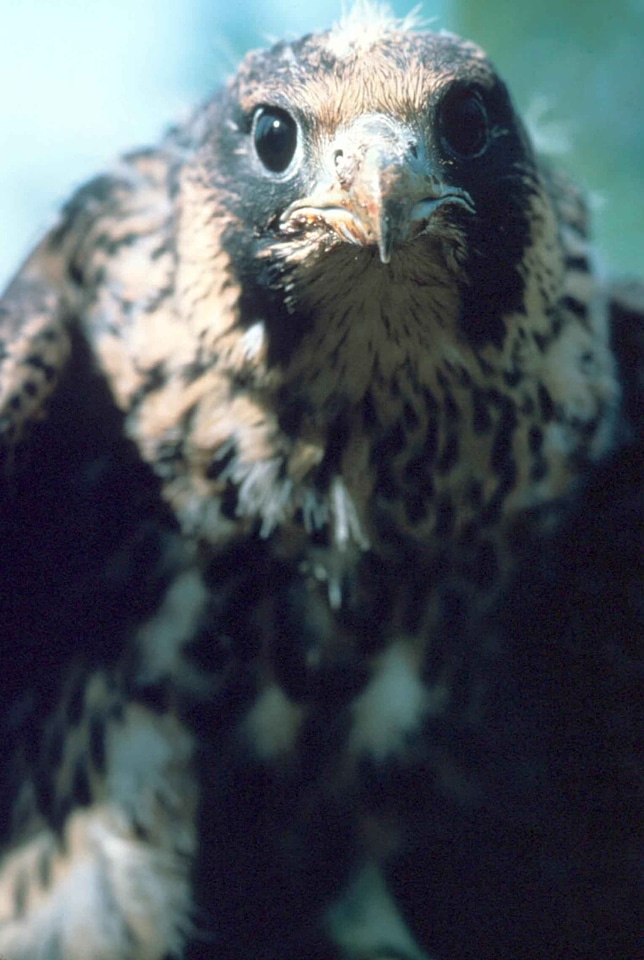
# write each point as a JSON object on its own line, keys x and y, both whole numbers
{"x": 82, "y": 80}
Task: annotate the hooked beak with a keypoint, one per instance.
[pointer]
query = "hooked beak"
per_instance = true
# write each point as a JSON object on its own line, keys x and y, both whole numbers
{"x": 377, "y": 190}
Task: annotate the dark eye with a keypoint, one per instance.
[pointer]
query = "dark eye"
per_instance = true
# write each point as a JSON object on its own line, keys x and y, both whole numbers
{"x": 463, "y": 123}
{"x": 275, "y": 137}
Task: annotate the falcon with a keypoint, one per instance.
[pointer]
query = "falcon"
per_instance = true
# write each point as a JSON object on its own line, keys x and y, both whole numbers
{"x": 287, "y": 405}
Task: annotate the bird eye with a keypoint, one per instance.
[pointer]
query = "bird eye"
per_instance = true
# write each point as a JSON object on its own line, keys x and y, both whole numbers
{"x": 275, "y": 138}
{"x": 463, "y": 123}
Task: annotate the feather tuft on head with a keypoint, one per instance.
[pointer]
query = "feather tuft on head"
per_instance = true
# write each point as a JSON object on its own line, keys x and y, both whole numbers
{"x": 367, "y": 22}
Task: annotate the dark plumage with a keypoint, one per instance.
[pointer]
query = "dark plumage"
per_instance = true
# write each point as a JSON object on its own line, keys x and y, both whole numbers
{"x": 302, "y": 415}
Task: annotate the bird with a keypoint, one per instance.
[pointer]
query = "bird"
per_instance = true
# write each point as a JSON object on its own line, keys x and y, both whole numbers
{"x": 292, "y": 408}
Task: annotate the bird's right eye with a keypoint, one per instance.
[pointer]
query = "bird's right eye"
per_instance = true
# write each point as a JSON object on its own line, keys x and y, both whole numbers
{"x": 275, "y": 138}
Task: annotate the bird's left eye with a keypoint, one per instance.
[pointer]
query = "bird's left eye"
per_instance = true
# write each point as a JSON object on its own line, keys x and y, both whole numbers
{"x": 275, "y": 138}
{"x": 463, "y": 123}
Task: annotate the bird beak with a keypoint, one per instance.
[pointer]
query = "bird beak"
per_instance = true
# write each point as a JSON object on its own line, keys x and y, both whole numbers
{"x": 378, "y": 189}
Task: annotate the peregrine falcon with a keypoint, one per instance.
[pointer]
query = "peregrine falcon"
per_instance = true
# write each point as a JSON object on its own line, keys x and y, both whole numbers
{"x": 292, "y": 408}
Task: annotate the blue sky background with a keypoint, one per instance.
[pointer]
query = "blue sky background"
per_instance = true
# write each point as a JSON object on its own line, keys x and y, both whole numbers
{"x": 83, "y": 80}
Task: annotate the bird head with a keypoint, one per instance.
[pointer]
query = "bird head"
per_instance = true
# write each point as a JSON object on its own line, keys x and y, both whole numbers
{"x": 377, "y": 196}
{"x": 384, "y": 283}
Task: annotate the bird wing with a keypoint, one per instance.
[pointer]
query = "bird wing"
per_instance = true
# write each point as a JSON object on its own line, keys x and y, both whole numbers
{"x": 86, "y": 553}
{"x": 98, "y": 263}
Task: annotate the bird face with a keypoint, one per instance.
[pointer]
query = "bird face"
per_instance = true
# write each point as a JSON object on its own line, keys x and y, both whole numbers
{"x": 389, "y": 179}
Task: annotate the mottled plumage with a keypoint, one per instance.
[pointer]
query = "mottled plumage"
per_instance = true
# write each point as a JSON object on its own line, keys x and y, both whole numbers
{"x": 291, "y": 409}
